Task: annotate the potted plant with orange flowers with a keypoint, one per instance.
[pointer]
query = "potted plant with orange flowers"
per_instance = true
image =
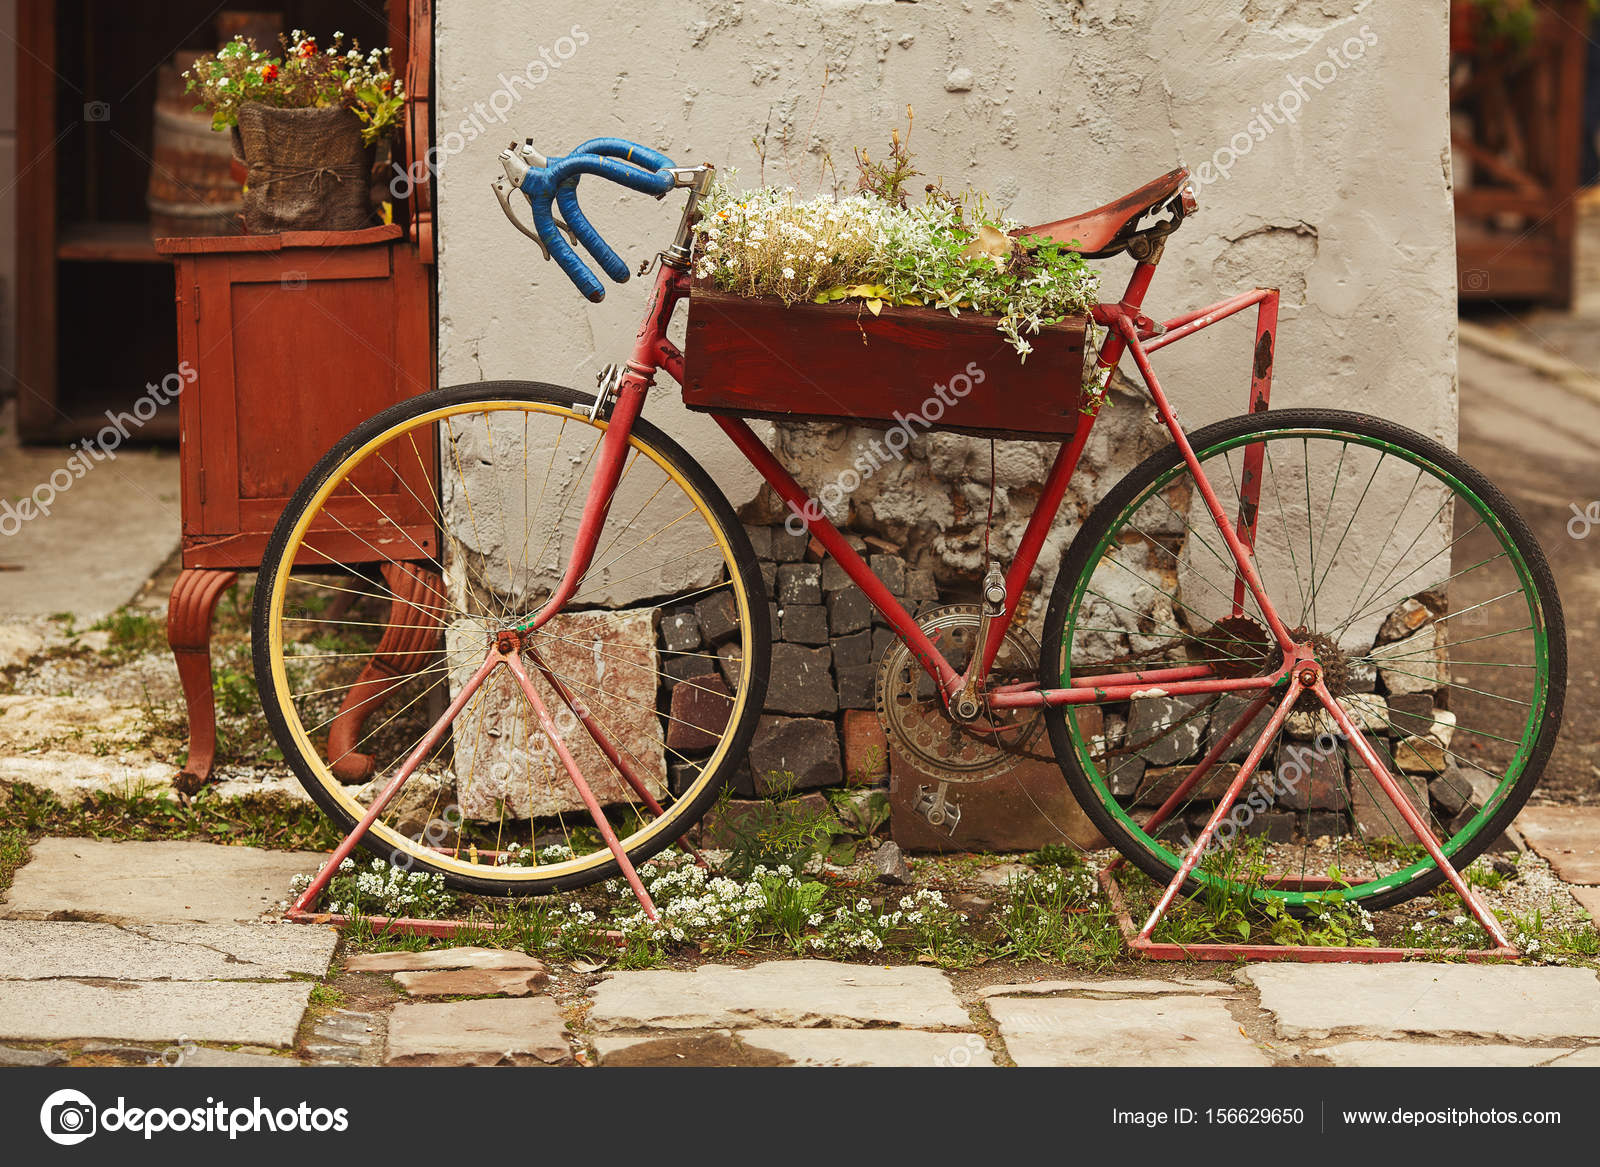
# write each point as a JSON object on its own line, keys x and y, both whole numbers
{"x": 305, "y": 121}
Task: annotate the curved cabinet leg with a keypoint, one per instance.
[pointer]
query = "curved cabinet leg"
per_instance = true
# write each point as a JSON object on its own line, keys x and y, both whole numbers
{"x": 189, "y": 611}
{"x": 411, "y": 638}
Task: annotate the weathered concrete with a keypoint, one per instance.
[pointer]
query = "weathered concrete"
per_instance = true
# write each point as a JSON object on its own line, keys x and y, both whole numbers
{"x": 801, "y": 993}
{"x": 164, "y": 1012}
{"x": 527, "y": 1031}
{"x": 142, "y": 883}
{"x": 1393, "y": 1000}
{"x": 45, "y": 950}
{"x": 1568, "y": 836}
{"x": 808, "y": 1047}
{"x": 1169, "y": 1031}
{"x": 1421, "y": 1054}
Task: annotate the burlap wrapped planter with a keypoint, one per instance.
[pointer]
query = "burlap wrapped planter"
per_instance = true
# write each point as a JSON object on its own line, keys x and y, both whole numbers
{"x": 308, "y": 170}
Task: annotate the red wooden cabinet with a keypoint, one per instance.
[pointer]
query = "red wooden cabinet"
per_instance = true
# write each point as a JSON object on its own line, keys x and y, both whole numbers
{"x": 291, "y": 341}
{"x": 294, "y": 339}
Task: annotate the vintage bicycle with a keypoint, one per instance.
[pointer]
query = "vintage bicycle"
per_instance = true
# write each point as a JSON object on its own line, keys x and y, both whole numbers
{"x": 464, "y": 624}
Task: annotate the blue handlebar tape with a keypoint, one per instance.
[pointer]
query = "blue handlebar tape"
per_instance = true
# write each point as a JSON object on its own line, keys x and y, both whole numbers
{"x": 558, "y": 181}
{"x": 567, "y": 199}
{"x": 544, "y": 222}
{"x": 627, "y": 151}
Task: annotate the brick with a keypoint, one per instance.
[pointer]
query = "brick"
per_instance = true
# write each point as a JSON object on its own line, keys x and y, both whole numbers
{"x": 857, "y": 687}
{"x": 1167, "y": 730}
{"x": 726, "y": 823}
{"x": 801, "y": 681}
{"x": 1452, "y": 790}
{"x": 1275, "y": 826}
{"x": 680, "y": 668}
{"x": 795, "y": 753}
{"x": 833, "y": 576}
{"x": 804, "y": 623}
{"x": 701, "y": 707}
{"x": 883, "y": 639}
{"x": 1126, "y": 774}
{"x": 799, "y": 583}
{"x": 1228, "y": 709}
{"x": 1161, "y": 781}
{"x": 1020, "y": 810}
{"x": 1317, "y": 824}
{"x": 852, "y": 651}
{"x": 849, "y": 610}
{"x": 921, "y": 586}
{"x": 1375, "y": 816}
{"x": 865, "y": 747}
{"x": 730, "y": 663}
{"x": 891, "y": 569}
{"x": 787, "y": 547}
{"x": 680, "y": 630}
{"x": 719, "y": 616}
{"x": 769, "y": 578}
{"x": 760, "y": 541}
{"x": 1411, "y": 712}
{"x": 1307, "y": 780}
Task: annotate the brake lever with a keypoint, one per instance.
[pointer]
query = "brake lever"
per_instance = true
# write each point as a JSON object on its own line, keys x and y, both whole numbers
{"x": 511, "y": 183}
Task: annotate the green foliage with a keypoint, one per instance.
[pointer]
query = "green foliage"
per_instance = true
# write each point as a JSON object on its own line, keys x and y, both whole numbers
{"x": 777, "y": 832}
{"x": 951, "y": 252}
{"x": 301, "y": 76}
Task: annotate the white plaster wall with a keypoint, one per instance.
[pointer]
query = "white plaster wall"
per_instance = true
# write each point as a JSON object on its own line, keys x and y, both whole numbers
{"x": 1052, "y": 106}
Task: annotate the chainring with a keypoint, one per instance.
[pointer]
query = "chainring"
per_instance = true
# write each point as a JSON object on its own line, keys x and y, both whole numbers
{"x": 917, "y": 722}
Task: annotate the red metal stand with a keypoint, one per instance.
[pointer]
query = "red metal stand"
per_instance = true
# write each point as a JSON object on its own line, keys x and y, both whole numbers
{"x": 194, "y": 599}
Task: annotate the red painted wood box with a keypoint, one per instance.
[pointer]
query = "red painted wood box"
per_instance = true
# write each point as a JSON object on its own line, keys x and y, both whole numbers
{"x": 756, "y": 357}
{"x": 293, "y": 340}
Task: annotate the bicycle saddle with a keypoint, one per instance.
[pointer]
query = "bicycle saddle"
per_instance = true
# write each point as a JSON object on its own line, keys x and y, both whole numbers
{"x": 1106, "y": 230}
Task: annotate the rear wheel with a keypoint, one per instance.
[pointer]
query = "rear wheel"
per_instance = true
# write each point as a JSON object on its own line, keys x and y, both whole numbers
{"x": 1433, "y": 617}
{"x": 404, "y": 559}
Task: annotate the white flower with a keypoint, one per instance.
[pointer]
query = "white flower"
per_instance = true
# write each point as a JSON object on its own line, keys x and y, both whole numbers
{"x": 788, "y": 273}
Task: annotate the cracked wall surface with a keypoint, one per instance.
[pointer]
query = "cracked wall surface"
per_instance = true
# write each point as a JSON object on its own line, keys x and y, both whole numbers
{"x": 1335, "y": 194}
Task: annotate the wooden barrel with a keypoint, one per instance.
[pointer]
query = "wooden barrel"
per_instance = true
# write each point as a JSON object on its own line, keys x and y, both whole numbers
{"x": 192, "y": 189}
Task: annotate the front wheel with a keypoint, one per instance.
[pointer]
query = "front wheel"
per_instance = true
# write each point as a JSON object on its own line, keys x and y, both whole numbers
{"x": 422, "y": 544}
{"x": 1434, "y": 620}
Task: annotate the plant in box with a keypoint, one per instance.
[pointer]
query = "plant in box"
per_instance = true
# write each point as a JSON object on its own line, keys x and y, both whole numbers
{"x": 916, "y": 296}
{"x": 305, "y": 122}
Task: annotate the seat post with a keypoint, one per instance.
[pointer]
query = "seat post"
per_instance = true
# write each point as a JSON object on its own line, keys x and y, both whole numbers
{"x": 1139, "y": 282}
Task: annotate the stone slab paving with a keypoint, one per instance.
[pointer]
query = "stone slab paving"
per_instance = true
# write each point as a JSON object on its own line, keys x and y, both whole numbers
{"x": 1568, "y": 836}
{"x": 48, "y": 949}
{"x": 893, "y": 1048}
{"x": 443, "y": 958}
{"x": 493, "y": 1032}
{"x": 217, "y": 1059}
{"x": 1132, "y": 1031}
{"x": 1113, "y": 988}
{"x": 162, "y": 1012}
{"x": 1588, "y": 899}
{"x": 1583, "y": 1058}
{"x": 152, "y": 883}
{"x": 473, "y": 982}
{"x": 1423, "y": 1054}
{"x": 1390, "y": 1001}
{"x": 786, "y": 992}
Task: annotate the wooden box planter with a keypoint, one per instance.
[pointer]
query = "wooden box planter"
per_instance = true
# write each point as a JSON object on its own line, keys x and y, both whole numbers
{"x": 756, "y": 357}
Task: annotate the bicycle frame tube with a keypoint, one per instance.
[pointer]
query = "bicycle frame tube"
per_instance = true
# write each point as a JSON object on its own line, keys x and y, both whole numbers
{"x": 1130, "y": 331}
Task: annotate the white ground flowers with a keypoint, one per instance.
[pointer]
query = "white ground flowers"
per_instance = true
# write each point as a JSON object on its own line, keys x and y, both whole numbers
{"x": 766, "y": 242}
